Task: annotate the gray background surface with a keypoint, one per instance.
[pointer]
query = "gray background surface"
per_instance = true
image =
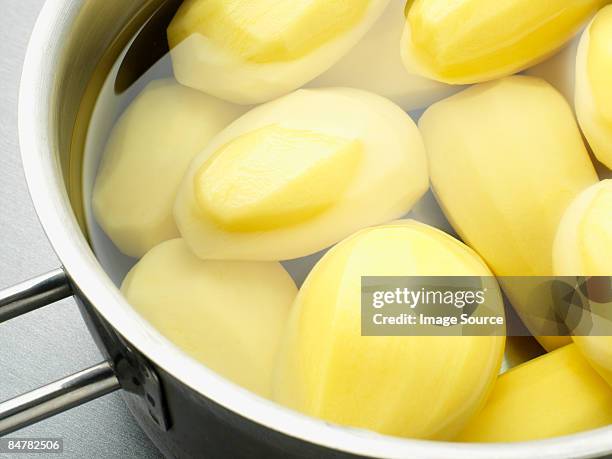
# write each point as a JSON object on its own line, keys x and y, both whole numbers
{"x": 53, "y": 342}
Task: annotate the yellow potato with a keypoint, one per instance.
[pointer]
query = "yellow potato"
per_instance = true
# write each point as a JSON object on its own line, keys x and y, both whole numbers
{"x": 593, "y": 87}
{"x": 296, "y": 175}
{"x": 509, "y": 162}
{"x": 598, "y": 351}
{"x": 145, "y": 159}
{"x": 228, "y": 315}
{"x": 252, "y": 51}
{"x": 583, "y": 243}
{"x": 410, "y": 386}
{"x": 470, "y": 41}
{"x": 583, "y": 247}
{"x": 553, "y": 395}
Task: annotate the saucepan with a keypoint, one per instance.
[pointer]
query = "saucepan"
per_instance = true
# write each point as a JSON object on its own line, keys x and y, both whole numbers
{"x": 186, "y": 409}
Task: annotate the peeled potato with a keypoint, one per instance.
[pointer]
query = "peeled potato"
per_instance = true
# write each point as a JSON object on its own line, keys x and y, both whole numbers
{"x": 598, "y": 351}
{"x": 410, "y": 386}
{"x": 228, "y": 315}
{"x": 593, "y": 85}
{"x": 252, "y": 51}
{"x": 583, "y": 244}
{"x": 145, "y": 159}
{"x": 553, "y": 395}
{"x": 583, "y": 247}
{"x": 470, "y": 41}
{"x": 509, "y": 162}
{"x": 375, "y": 64}
{"x": 296, "y": 175}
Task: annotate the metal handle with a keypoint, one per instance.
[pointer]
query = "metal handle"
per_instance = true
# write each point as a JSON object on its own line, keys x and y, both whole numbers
{"x": 60, "y": 395}
{"x": 33, "y": 294}
{"x": 57, "y": 397}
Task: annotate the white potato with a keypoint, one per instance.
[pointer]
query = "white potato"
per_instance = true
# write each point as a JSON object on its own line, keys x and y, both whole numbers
{"x": 252, "y": 51}
{"x": 296, "y": 175}
{"x": 228, "y": 315}
{"x": 146, "y": 157}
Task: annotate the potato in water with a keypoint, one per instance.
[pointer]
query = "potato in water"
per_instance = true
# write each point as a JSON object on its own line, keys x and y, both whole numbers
{"x": 410, "y": 386}
{"x": 583, "y": 247}
{"x": 471, "y": 41}
{"x": 228, "y": 315}
{"x": 553, "y": 395}
{"x": 146, "y": 157}
{"x": 594, "y": 87}
{"x": 510, "y": 161}
{"x": 583, "y": 244}
{"x": 252, "y": 51}
{"x": 296, "y": 175}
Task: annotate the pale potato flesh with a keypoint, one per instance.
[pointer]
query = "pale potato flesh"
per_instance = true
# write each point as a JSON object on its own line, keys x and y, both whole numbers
{"x": 148, "y": 152}
{"x": 228, "y": 315}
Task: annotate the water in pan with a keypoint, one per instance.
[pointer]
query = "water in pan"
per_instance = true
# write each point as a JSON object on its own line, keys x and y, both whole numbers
{"x": 131, "y": 72}
{"x": 145, "y": 59}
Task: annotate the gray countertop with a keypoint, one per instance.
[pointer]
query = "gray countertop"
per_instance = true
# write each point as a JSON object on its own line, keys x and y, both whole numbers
{"x": 53, "y": 342}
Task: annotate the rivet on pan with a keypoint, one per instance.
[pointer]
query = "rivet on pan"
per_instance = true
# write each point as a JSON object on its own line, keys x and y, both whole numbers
{"x": 153, "y": 417}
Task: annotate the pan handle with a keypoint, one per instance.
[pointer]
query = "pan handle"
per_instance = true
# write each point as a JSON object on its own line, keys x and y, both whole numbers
{"x": 60, "y": 395}
{"x": 33, "y": 294}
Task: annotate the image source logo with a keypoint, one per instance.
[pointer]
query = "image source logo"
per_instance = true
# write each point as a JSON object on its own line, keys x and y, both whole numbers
{"x": 474, "y": 306}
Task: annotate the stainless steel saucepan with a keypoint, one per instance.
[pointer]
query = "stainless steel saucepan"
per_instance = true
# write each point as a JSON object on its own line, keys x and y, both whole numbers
{"x": 186, "y": 409}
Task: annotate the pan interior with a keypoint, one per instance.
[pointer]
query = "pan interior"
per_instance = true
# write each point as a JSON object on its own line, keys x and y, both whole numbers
{"x": 125, "y": 67}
